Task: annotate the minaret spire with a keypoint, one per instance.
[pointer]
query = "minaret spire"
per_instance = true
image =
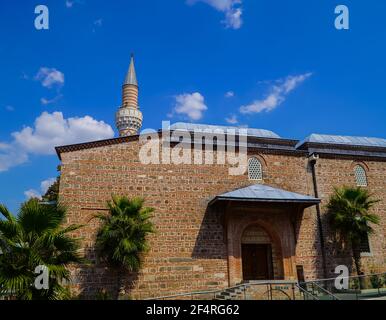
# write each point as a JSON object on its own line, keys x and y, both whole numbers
{"x": 131, "y": 77}
{"x": 128, "y": 118}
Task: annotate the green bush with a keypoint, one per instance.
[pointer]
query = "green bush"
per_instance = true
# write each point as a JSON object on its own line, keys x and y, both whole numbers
{"x": 103, "y": 295}
{"x": 376, "y": 281}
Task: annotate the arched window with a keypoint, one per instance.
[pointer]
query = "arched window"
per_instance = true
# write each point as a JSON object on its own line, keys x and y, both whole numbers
{"x": 360, "y": 176}
{"x": 364, "y": 245}
{"x": 255, "y": 169}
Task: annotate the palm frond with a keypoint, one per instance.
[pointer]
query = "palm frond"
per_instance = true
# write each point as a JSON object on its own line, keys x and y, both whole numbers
{"x": 6, "y": 213}
{"x": 36, "y": 237}
{"x": 349, "y": 212}
{"x": 122, "y": 236}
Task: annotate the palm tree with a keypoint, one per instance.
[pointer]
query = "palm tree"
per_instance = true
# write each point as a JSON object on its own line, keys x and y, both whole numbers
{"x": 349, "y": 215}
{"x": 36, "y": 238}
{"x": 122, "y": 236}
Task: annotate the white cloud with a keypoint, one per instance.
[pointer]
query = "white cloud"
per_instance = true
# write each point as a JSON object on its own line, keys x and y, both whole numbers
{"x": 192, "y": 105}
{"x": 229, "y": 94}
{"x": 32, "y": 193}
{"x": 44, "y": 185}
{"x": 50, "y": 130}
{"x": 233, "y": 18}
{"x": 231, "y": 9}
{"x": 44, "y": 101}
{"x": 50, "y": 77}
{"x": 232, "y": 119}
{"x": 278, "y": 94}
{"x": 10, "y": 156}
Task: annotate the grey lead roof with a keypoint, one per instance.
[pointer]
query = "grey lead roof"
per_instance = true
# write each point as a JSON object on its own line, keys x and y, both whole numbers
{"x": 261, "y": 193}
{"x": 131, "y": 77}
{"x": 260, "y": 133}
{"x": 344, "y": 140}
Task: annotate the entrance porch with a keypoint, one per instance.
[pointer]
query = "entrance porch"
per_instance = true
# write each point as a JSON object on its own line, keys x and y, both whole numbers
{"x": 261, "y": 226}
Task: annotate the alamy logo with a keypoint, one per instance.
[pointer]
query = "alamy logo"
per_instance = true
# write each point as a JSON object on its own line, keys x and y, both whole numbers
{"x": 184, "y": 147}
{"x": 341, "y": 281}
{"x": 42, "y": 280}
{"x": 342, "y": 21}
{"x": 42, "y": 21}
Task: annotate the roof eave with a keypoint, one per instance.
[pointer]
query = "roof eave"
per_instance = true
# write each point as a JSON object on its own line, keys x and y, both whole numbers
{"x": 94, "y": 144}
{"x": 309, "y": 202}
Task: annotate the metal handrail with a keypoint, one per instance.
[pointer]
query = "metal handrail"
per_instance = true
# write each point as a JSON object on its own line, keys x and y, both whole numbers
{"x": 325, "y": 290}
{"x": 197, "y": 293}
{"x": 218, "y": 291}
{"x": 305, "y": 291}
{"x": 263, "y": 282}
{"x": 348, "y": 277}
{"x": 320, "y": 284}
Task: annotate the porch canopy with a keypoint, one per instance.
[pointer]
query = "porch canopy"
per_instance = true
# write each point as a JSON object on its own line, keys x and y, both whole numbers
{"x": 266, "y": 194}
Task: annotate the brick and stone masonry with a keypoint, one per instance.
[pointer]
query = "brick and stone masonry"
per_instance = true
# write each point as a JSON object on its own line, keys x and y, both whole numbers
{"x": 198, "y": 244}
{"x": 197, "y": 247}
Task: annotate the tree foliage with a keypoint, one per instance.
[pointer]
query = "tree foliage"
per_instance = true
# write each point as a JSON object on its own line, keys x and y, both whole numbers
{"x": 122, "y": 237}
{"x": 350, "y": 216}
{"x": 34, "y": 237}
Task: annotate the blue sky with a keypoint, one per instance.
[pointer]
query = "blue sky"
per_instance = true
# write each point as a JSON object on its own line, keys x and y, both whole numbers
{"x": 277, "y": 65}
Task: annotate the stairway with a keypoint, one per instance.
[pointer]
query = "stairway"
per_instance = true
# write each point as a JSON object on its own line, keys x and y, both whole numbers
{"x": 253, "y": 291}
{"x": 235, "y": 293}
{"x": 313, "y": 291}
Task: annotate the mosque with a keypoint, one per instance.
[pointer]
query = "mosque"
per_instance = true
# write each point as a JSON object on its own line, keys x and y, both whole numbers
{"x": 215, "y": 229}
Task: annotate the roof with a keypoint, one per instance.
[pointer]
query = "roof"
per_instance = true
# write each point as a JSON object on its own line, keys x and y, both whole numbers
{"x": 264, "y": 193}
{"x": 259, "y": 133}
{"x": 94, "y": 144}
{"x": 343, "y": 140}
{"x": 131, "y": 77}
{"x": 267, "y": 140}
{"x": 179, "y": 126}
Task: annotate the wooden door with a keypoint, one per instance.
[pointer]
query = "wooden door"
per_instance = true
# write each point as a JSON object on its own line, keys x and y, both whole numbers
{"x": 256, "y": 261}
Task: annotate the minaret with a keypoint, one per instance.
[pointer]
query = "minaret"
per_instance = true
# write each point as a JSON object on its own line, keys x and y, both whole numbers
{"x": 128, "y": 117}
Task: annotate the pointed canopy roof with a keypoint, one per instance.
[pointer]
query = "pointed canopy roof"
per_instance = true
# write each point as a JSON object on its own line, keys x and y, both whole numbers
{"x": 263, "y": 193}
{"x": 131, "y": 77}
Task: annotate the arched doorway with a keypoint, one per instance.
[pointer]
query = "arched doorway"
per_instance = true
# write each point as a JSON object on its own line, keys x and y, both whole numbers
{"x": 259, "y": 255}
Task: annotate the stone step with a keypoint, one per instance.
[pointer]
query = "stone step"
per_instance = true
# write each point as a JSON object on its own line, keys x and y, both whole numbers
{"x": 236, "y": 291}
{"x": 228, "y": 294}
{"x": 232, "y": 293}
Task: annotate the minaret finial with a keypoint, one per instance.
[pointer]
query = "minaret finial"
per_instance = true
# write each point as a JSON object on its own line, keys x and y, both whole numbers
{"x": 129, "y": 118}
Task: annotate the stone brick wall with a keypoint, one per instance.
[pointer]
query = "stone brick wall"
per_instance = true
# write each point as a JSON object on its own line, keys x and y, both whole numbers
{"x": 189, "y": 250}
{"x": 333, "y": 172}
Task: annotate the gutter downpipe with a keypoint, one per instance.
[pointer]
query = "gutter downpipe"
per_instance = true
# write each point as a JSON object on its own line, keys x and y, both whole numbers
{"x": 312, "y": 160}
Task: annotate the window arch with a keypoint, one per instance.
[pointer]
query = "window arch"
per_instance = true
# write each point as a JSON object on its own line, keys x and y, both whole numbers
{"x": 360, "y": 176}
{"x": 255, "y": 169}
